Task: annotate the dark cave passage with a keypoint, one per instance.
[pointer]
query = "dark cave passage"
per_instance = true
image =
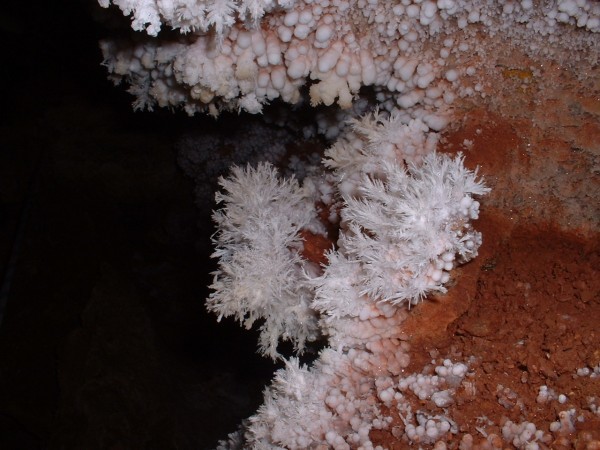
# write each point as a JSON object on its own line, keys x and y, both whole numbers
{"x": 104, "y": 340}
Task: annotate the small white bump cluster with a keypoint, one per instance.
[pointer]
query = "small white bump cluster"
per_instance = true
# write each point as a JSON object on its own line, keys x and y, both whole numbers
{"x": 422, "y": 426}
{"x": 545, "y": 394}
{"x": 565, "y": 423}
{"x": 448, "y": 374}
{"x": 523, "y": 435}
{"x": 411, "y": 53}
{"x": 429, "y": 429}
{"x": 592, "y": 372}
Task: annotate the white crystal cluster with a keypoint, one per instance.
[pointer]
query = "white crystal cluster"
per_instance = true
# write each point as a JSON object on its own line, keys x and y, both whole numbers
{"x": 192, "y": 15}
{"x": 404, "y": 223}
{"x": 399, "y": 193}
{"x": 333, "y": 404}
{"x": 406, "y": 230}
{"x": 261, "y": 274}
{"x": 374, "y": 141}
{"x": 242, "y": 54}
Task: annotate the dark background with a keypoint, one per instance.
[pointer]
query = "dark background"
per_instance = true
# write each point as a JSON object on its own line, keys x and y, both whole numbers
{"x": 104, "y": 257}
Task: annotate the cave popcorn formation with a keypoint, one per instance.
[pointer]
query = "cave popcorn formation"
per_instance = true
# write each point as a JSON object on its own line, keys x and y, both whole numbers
{"x": 404, "y": 212}
{"x": 404, "y": 222}
{"x": 241, "y": 55}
